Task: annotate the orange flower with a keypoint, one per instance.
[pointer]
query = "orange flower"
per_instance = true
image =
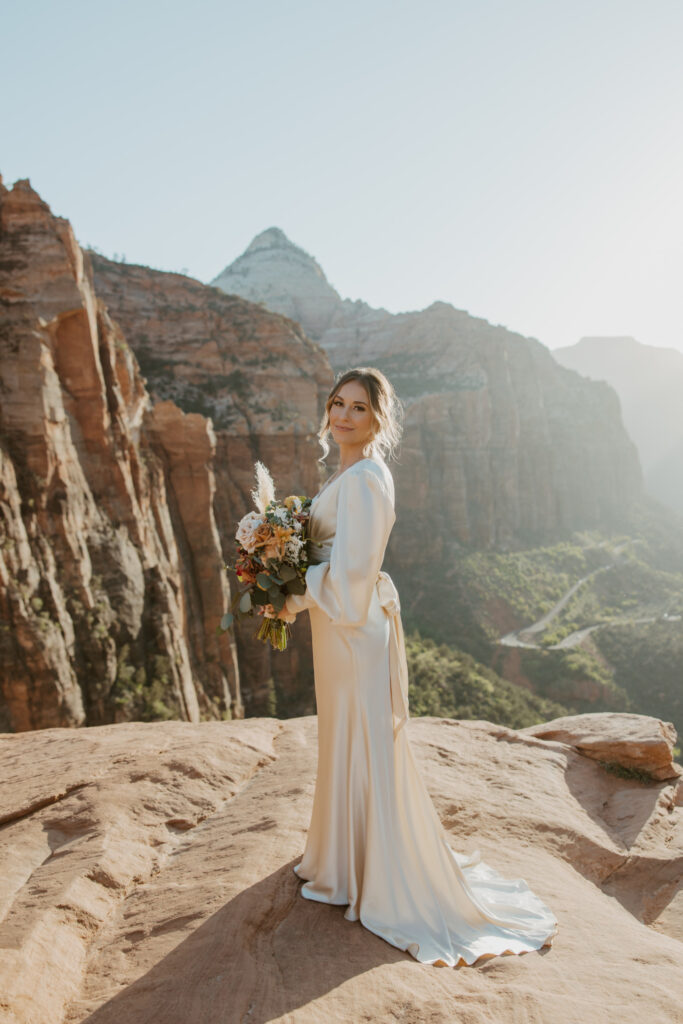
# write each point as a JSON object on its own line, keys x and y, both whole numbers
{"x": 262, "y": 535}
{"x": 275, "y": 548}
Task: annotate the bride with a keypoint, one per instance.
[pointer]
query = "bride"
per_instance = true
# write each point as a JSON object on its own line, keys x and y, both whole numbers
{"x": 375, "y": 842}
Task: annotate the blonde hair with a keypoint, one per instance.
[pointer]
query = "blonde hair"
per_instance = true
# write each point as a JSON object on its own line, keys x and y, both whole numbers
{"x": 386, "y": 408}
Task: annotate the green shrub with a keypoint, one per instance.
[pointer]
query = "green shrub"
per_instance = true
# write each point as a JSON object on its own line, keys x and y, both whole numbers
{"x": 448, "y": 683}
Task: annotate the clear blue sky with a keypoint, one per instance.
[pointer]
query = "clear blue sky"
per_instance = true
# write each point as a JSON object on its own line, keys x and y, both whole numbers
{"x": 521, "y": 159}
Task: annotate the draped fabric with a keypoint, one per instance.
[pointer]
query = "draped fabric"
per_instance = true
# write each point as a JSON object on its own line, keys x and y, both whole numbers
{"x": 375, "y": 842}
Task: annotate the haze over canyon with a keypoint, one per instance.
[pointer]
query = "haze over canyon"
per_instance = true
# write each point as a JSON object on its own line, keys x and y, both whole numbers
{"x": 135, "y": 403}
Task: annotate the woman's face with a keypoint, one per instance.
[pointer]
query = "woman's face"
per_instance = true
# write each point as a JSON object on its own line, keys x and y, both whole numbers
{"x": 351, "y": 415}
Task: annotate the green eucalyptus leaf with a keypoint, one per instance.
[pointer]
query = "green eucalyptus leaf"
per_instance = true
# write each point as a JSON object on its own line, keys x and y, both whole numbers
{"x": 245, "y": 602}
{"x": 227, "y": 621}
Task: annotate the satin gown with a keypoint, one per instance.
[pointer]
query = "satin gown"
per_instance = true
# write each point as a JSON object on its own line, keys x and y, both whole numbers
{"x": 375, "y": 841}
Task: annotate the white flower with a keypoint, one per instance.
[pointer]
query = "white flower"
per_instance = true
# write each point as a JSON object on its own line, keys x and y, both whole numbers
{"x": 246, "y": 528}
{"x": 293, "y": 549}
{"x": 280, "y": 514}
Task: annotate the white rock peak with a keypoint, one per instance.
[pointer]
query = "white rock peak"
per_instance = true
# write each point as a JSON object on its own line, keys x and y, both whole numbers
{"x": 286, "y": 278}
{"x": 274, "y": 238}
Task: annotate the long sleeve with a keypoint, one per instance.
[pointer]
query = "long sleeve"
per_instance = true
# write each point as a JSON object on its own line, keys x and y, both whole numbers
{"x": 343, "y": 587}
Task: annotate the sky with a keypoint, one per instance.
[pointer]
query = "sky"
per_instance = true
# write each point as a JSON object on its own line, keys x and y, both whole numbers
{"x": 521, "y": 160}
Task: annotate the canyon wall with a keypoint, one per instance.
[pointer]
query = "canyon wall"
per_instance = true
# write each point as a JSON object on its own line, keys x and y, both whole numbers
{"x": 649, "y": 382}
{"x": 134, "y": 405}
{"x": 501, "y": 447}
{"x": 263, "y": 382}
{"x": 111, "y": 576}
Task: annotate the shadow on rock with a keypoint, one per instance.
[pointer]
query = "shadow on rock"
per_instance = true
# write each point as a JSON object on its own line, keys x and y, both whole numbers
{"x": 266, "y": 953}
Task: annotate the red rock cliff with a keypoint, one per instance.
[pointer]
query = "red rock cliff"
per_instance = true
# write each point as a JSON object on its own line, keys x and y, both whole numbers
{"x": 111, "y": 579}
{"x": 263, "y": 382}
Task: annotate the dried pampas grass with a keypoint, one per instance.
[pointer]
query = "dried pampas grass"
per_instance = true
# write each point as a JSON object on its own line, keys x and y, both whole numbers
{"x": 265, "y": 488}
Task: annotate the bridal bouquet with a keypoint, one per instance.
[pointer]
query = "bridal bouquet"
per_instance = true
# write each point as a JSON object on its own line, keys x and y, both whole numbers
{"x": 272, "y": 558}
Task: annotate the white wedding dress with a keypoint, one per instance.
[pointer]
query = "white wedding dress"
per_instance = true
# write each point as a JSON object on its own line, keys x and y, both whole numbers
{"x": 375, "y": 841}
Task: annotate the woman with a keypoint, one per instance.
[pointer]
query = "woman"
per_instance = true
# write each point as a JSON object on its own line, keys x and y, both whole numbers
{"x": 375, "y": 841}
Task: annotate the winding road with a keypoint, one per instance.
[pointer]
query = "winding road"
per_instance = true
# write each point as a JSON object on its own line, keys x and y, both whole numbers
{"x": 524, "y": 637}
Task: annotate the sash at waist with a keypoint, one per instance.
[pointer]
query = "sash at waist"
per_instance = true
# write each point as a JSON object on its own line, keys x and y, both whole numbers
{"x": 398, "y": 665}
{"x": 320, "y": 551}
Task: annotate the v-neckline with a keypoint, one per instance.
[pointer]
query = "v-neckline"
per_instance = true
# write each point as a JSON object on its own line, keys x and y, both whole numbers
{"x": 328, "y": 483}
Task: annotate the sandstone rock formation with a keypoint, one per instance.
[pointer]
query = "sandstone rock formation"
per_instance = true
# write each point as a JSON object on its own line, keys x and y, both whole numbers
{"x": 148, "y": 877}
{"x": 111, "y": 575}
{"x": 263, "y": 383}
{"x": 631, "y": 741}
{"x": 501, "y": 445}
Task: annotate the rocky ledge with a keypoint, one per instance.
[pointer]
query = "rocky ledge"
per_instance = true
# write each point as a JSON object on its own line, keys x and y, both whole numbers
{"x": 148, "y": 877}
{"x": 636, "y": 743}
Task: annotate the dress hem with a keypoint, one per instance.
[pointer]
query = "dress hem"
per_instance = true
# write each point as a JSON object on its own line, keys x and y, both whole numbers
{"x": 437, "y": 961}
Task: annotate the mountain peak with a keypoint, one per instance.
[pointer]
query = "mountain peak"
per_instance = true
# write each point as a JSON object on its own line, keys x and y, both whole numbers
{"x": 272, "y": 238}
{"x": 275, "y": 271}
